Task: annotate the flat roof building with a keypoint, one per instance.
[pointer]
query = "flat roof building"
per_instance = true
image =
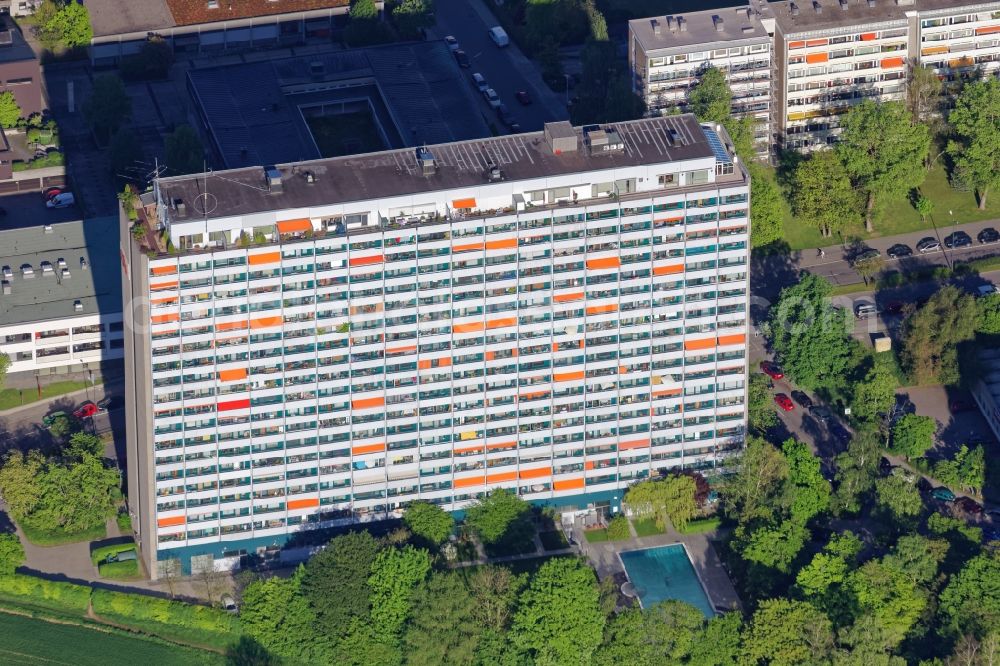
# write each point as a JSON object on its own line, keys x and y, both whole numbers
{"x": 667, "y": 55}
{"x": 60, "y": 301}
{"x": 289, "y": 109}
{"x": 560, "y": 313}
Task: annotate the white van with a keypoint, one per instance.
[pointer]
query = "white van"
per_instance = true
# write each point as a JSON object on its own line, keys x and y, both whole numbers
{"x": 499, "y": 36}
{"x": 480, "y": 82}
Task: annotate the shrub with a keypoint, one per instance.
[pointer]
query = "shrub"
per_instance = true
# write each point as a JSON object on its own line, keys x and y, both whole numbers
{"x": 102, "y": 553}
{"x": 126, "y": 569}
{"x": 62, "y": 596}
{"x": 618, "y": 528}
{"x": 160, "y": 616}
{"x": 124, "y": 522}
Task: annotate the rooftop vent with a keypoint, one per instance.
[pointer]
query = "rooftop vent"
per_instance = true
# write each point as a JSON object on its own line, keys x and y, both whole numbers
{"x": 6, "y": 37}
{"x": 904, "y": 2}
{"x": 60, "y": 262}
{"x": 425, "y": 159}
{"x": 793, "y": 9}
{"x": 310, "y": 177}
{"x": 6, "y": 287}
{"x": 83, "y": 263}
{"x": 747, "y": 29}
{"x": 656, "y": 26}
{"x": 843, "y": 5}
{"x": 65, "y": 274}
{"x": 78, "y": 306}
{"x": 181, "y": 208}
{"x": 603, "y": 141}
{"x": 46, "y": 267}
{"x": 27, "y": 272}
{"x": 818, "y": 8}
{"x": 671, "y": 25}
{"x": 719, "y": 23}
{"x": 682, "y": 24}
{"x": 273, "y": 178}
{"x": 561, "y": 137}
{"x": 871, "y": 4}
{"x": 47, "y": 229}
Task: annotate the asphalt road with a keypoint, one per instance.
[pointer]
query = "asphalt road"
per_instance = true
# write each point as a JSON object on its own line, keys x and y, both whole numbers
{"x": 507, "y": 70}
{"x": 836, "y": 267}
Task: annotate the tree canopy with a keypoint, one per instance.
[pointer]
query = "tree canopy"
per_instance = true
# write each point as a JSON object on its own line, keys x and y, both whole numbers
{"x": 11, "y": 554}
{"x": 108, "y": 106}
{"x": 10, "y": 111}
{"x": 876, "y": 393}
{"x": 787, "y": 633}
{"x": 711, "y": 99}
{"x": 499, "y": 515}
{"x": 823, "y": 194}
{"x": 933, "y": 333}
{"x": 912, "y": 435}
{"x": 184, "y": 151}
{"x": 883, "y": 151}
{"x": 429, "y": 521}
{"x": 670, "y": 499}
{"x": 765, "y": 208}
{"x": 335, "y": 581}
{"x": 976, "y": 121}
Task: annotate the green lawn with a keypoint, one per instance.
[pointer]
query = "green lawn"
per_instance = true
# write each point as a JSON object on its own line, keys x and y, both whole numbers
{"x": 701, "y": 526}
{"x": 58, "y": 538}
{"x": 646, "y": 527}
{"x": 31, "y": 641}
{"x": 900, "y": 216}
{"x": 553, "y": 540}
{"x": 15, "y": 397}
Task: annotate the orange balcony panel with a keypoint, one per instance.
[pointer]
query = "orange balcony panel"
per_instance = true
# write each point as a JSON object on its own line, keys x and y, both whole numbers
{"x": 266, "y": 322}
{"x": 500, "y": 446}
{"x": 666, "y": 393}
{"x": 869, "y": 36}
{"x": 817, "y": 57}
{"x": 535, "y": 473}
{"x": 163, "y": 270}
{"x": 230, "y": 405}
{"x": 501, "y": 477}
{"x": 162, "y": 301}
{"x": 232, "y": 375}
{"x": 703, "y": 343}
{"x": 634, "y": 444}
{"x": 502, "y": 244}
{"x": 368, "y": 403}
{"x": 737, "y": 339}
{"x": 368, "y": 448}
{"x": 160, "y": 286}
{"x": 164, "y": 318}
{"x": 502, "y": 323}
{"x": 424, "y": 364}
{"x": 569, "y": 484}
{"x": 468, "y": 327}
{"x": 443, "y": 362}
{"x": 405, "y": 349}
{"x": 469, "y": 202}
{"x": 602, "y": 309}
{"x": 668, "y": 270}
{"x": 490, "y": 355}
{"x": 467, "y": 247}
{"x": 817, "y": 42}
{"x": 469, "y": 449}
{"x": 469, "y": 482}
{"x": 934, "y": 50}
{"x": 231, "y": 326}
{"x": 988, "y": 30}
{"x": 171, "y": 521}
{"x": 295, "y": 226}
{"x": 367, "y": 261}
{"x": 796, "y": 45}
{"x": 606, "y": 262}
{"x": 303, "y": 503}
{"x": 264, "y": 258}
{"x": 587, "y": 465}
{"x": 534, "y": 395}
{"x": 555, "y": 346}
{"x": 569, "y": 376}
{"x": 566, "y": 298}
{"x": 890, "y": 63}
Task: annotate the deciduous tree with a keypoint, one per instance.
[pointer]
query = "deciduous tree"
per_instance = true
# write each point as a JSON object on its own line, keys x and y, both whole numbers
{"x": 429, "y": 522}
{"x": 335, "y": 581}
{"x": 970, "y": 604}
{"x": 923, "y": 92}
{"x": 663, "y": 634}
{"x": 439, "y": 631}
{"x": 889, "y": 595}
{"x": 883, "y": 151}
{"x": 912, "y": 435}
{"x": 988, "y": 310}
{"x": 10, "y": 111}
{"x": 670, "y": 499}
{"x": 899, "y": 498}
{"x": 809, "y": 490}
{"x": 718, "y": 644}
{"x": 11, "y": 554}
{"x": 758, "y": 484}
{"x": 559, "y": 621}
{"x": 496, "y": 590}
{"x": 822, "y": 193}
{"x": 279, "y": 618}
{"x": 876, "y": 393}
{"x": 711, "y": 99}
{"x": 765, "y": 208}
{"x": 932, "y": 335}
{"x": 976, "y": 150}
{"x": 395, "y": 574}
{"x": 787, "y": 633}
{"x": 498, "y": 516}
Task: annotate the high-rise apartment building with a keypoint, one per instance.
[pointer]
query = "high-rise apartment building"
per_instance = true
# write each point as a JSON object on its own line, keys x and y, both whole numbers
{"x": 559, "y": 313}
{"x": 667, "y": 54}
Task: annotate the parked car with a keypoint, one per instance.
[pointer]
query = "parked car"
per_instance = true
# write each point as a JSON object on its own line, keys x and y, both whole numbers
{"x": 50, "y": 192}
{"x": 228, "y": 603}
{"x": 63, "y": 200}
{"x": 839, "y": 432}
{"x": 771, "y": 369}
{"x": 988, "y": 235}
{"x": 928, "y": 244}
{"x": 865, "y": 310}
{"x": 820, "y": 412}
{"x": 462, "y": 58}
{"x": 969, "y": 506}
{"x": 805, "y": 402}
{"x": 492, "y": 98}
{"x": 499, "y": 36}
{"x": 898, "y": 251}
{"x": 943, "y": 494}
{"x": 957, "y": 239}
{"x": 49, "y": 419}
{"x": 986, "y": 289}
{"x": 107, "y": 404}
{"x": 452, "y": 43}
{"x": 784, "y": 402}
{"x": 867, "y": 255}
{"x": 523, "y": 97}
{"x": 86, "y": 410}
{"x": 507, "y": 118}
{"x": 479, "y": 81}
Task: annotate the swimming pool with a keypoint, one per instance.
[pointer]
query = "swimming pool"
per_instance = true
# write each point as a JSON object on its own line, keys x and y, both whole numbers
{"x": 664, "y": 573}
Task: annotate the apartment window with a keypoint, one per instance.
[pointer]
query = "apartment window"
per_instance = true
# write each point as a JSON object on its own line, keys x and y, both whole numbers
{"x": 697, "y": 177}
{"x": 24, "y": 356}
{"x": 681, "y": 58}
{"x": 18, "y": 337}
{"x": 758, "y": 48}
{"x": 20, "y": 82}
{"x": 696, "y": 57}
{"x": 720, "y": 53}
{"x": 656, "y": 62}
{"x": 668, "y": 180}
{"x": 735, "y": 51}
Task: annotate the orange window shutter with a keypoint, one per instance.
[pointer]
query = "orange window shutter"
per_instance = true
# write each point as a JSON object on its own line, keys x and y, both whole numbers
{"x": 232, "y": 375}
{"x": 294, "y": 226}
{"x": 668, "y": 270}
{"x": 470, "y": 481}
{"x": 171, "y": 521}
{"x": 501, "y": 477}
{"x": 817, "y": 57}
{"x": 634, "y": 444}
{"x": 569, "y": 376}
{"x": 602, "y": 309}
{"x": 535, "y": 473}
{"x": 467, "y": 247}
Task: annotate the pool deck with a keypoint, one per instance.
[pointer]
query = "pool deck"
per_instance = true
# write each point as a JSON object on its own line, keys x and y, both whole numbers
{"x": 604, "y": 557}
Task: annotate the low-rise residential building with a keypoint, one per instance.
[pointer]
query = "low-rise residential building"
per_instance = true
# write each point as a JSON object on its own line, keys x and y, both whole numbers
{"x": 20, "y": 72}
{"x": 668, "y": 53}
{"x": 558, "y": 313}
{"x": 60, "y": 301}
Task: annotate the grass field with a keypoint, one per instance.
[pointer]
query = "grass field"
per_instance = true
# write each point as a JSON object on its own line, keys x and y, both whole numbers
{"x": 646, "y": 527}
{"x": 15, "y": 397}
{"x": 30, "y": 641}
{"x": 701, "y": 526}
{"x": 899, "y": 216}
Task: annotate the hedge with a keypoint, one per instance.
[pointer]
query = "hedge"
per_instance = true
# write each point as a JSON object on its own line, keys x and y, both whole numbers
{"x": 169, "y": 619}
{"x": 66, "y": 597}
{"x": 122, "y": 570}
{"x": 100, "y": 554}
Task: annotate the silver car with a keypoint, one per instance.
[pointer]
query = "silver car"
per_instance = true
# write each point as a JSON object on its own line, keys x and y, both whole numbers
{"x": 928, "y": 244}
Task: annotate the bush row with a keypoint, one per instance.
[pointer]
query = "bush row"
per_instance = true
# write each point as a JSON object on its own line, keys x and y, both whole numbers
{"x": 121, "y": 570}
{"x": 50, "y": 594}
{"x": 142, "y": 611}
{"x": 98, "y": 555}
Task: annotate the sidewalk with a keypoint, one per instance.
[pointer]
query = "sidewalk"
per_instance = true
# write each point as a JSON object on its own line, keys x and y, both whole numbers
{"x": 100, "y": 388}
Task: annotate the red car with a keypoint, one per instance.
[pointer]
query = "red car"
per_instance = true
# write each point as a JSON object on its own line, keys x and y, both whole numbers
{"x": 784, "y": 402}
{"x": 86, "y": 410}
{"x": 772, "y": 370}
{"x": 523, "y": 97}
